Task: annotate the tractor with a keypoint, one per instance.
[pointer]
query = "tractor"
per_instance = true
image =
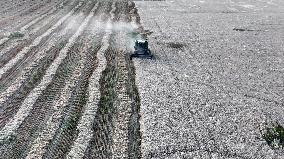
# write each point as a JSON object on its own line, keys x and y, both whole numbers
{"x": 141, "y": 50}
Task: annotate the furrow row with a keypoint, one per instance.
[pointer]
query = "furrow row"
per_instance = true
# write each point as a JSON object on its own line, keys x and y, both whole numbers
{"x": 15, "y": 45}
{"x": 21, "y": 21}
{"x": 13, "y": 96}
{"x": 31, "y": 125}
{"x": 73, "y": 93}
{"x": 22, "y": 54}
{"x": 54, "y": 121}
{"x": 67, "y": 132}
{"x": 28, "y": 103}
{"x": 24, "y": 29}
{"x": 122, "y": 104}
{"x": 99, "y": 131}
{"x": 84, "y": 128}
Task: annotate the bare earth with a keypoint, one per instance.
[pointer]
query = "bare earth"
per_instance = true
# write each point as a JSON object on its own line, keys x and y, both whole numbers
{"x": 69, "y": 90}
{"x": 66, "y": 88}
{"x": 217, "y": 79}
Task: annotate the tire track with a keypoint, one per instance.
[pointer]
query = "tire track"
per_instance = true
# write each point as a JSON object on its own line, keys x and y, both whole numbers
{"x": 33, "y": 123}
{"x": 49, "y": 11}
{"x": 2, "y": 41}
{"x": 100, "y": 145}
{"x": 14, "y": 6}
{"x": 28, "y": 103}
{"x": 67, "y": 133}
{"x": 15, "y": 45}
{"x": 11, "y": 49}
{"x": 20, "y": 3}
{"x": 77, "y": 105}
{"x": 135, "y": 134}
{"x": 126, "y": 127}
{"x": 13, "y": 20}
{"x": 86, "y": 121}
{"x": 22, "y": 13}
{"x": 125, "y": 103}
{"x": 54, "y": 121}
{"x": 13, "y": 96}
{"x": 22, "y": 54}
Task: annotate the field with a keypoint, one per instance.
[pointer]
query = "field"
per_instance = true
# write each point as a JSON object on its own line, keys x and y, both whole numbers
{"x": 66, "y": 87}
{"x": 213, "y": 90}
{"x": 216, "y": 84}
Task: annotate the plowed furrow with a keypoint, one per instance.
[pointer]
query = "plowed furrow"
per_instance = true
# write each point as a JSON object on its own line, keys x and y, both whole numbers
{"x": 60, "y": 130}
{"x": 67, "y": 132}
{"x": 68, "y": 89}
{"x": 134, "y": 143}
{"x": 18, "y": 88}
{"x": 31, "y": 53}
{"x": 14, "y": 6}
{"x": 27, "y": 51}
{"x": 49, "y": 11}
{"x": 13, "y": 96}
{"x": 116, "y": 125}
{"x": 43, "y": 28}
{"x": 37, "y": 7}
{"x": 8, "y": 43}
{"x": 65, "y": 135}
{"x": 85, "y": 124}
{"x": 101, "y": 143}
{"x": 19, "y": 15}
{"x": 55, "y": 77}
{"x": 122, "y": 104}
{"x": 21, "y": 23}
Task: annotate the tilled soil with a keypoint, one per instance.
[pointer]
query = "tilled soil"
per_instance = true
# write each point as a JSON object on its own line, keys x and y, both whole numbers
{"x": 66, "y": 82}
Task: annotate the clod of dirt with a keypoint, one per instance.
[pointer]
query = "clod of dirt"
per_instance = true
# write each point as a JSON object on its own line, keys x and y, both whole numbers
{"x": 16, "y": 35}
{"x": 274, "y": 136}
{"x": 131, "y": 4}
{"x": 146, "y": 32}
{"x": 241, "y": 29}
{"x": 175, "y": 45}
{"x": 133, "y": 11}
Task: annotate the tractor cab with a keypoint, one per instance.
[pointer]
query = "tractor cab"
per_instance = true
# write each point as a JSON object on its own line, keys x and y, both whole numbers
{"x": 141, "y": 50}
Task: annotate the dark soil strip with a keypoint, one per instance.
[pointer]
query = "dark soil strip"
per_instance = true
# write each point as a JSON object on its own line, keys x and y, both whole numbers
{"x": 100, "y": 146}
{"x": 134, "y": 125}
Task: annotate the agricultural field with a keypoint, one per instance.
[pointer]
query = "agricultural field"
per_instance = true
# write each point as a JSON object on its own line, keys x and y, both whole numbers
{"x": 67, "y": 88}
{"x": 214, "y": 88}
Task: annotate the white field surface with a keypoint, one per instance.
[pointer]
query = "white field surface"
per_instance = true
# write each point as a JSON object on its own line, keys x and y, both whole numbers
{"x": 211, "y": 96}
